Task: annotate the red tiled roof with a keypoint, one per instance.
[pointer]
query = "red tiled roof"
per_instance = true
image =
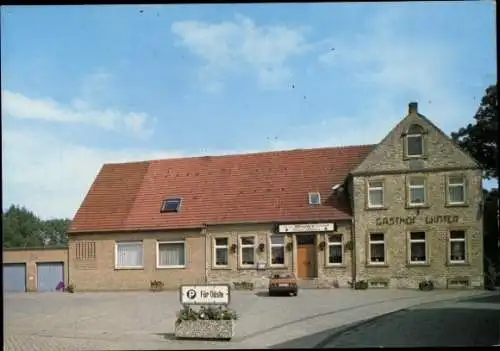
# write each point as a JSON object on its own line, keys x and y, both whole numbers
{"x": 258, "y": 188}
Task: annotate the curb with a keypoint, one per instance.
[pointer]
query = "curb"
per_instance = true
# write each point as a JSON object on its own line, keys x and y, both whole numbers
{"x": 364, "y": 322}
{"x": 353, "y": 326}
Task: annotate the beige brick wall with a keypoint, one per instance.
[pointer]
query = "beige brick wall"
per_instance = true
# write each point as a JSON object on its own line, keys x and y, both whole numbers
{"x": 101, "y": 275}
{"x": 235, "y": 273}
{"x": 31, "y": 257}
{"x": 398, "y": 270}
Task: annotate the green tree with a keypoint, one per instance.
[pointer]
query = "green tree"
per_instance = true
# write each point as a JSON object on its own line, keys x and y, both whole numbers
{"x": 480, "y": 138}
{"x": 22, "y": 228}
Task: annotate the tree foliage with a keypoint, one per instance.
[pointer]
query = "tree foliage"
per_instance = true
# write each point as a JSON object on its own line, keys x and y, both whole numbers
{"x": 22, "y": 228}
{"x": 480, "y": 138}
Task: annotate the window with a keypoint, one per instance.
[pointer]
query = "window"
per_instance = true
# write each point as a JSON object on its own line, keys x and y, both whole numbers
{"x": 85, "y": 250}
{"x": 456, "y": 190}
{"x": 418, "y": 248}
{"x": 377, "y": 248}
{"x": 417, "y": 191}
{"x": 277, "y": 250}
{"x": 129, "y": 255}
{"x": 221, "y": 248}
{"x": 335, "y": 249}
{"x": 171, "y": 205}
{"x": 170, "y": 254}
{"x": 375, "y": 194}
{"x": 247, "y": 250}
{"x": 314, "y": 199}
{"x": 457, "y": 246}
{"x": 414, "y": 141}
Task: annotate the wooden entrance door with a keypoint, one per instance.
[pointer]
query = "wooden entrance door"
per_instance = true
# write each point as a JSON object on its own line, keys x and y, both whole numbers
{"x": 306, "y": 263}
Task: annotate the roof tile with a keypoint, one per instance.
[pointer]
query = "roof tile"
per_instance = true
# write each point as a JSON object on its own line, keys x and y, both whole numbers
{"x": 260, "y": 187}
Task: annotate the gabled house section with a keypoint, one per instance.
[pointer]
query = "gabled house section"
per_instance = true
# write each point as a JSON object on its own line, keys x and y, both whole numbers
{"x": 415, "y": 144}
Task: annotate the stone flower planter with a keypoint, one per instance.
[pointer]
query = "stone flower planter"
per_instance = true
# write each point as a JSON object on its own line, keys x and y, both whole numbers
{"x": 205, "y": 329}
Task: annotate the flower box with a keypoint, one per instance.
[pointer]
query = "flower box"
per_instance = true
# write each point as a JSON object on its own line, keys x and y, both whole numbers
{"x": 205, "y": 329}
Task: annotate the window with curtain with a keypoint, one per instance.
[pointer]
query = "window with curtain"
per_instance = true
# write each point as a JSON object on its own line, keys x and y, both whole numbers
{"x": 247, "y": 250}
{"x": 377, "y": 248}
{"x": 418, "y": 248}
{"x": 221, "y": 247}
{"x": 456, "y": 190}
{"x": 457, "y": 246}
{"x": 417, "y": 191}
{"x": 129, "y": 254}
{"x": 335, "y": 249}
{"x": 375, "y": 194}
{"x": 171, "y": 254}
{"x": 277, "y": 250}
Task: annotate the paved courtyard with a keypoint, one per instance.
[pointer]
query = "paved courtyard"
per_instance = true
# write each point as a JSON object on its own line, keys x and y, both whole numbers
{"x": 145, "y": 320}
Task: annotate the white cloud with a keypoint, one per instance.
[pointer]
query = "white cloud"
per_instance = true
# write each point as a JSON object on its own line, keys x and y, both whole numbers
{"x": 20, "y": 106}
{"x": 231, "y": 45}
{"x": 51, "y": 176}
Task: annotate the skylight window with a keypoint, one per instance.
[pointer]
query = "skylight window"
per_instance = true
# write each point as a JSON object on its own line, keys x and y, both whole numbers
{"x": 314, "y": 199}
{"x": 171, "y": 205}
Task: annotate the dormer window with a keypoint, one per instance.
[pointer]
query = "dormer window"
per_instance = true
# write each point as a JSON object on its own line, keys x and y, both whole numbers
{"x": 171, "y": 205}
{"x": 415, "y": 141}
{"x": 314, "y": 198}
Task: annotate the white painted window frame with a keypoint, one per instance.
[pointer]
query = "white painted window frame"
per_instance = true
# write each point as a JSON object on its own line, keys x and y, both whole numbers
{"x": 376, "y": 188}
{"x": 166, "y": 242}
{"x": 271, "y": 245}
{"x": 117, "y": 243}
{"x": 376, "y": 242}
{"x": 426, "y": 250}
{"x": 452, "y": 240}
{"x": 242, "y": 246}
{"x": 214, "y": 251}
{"x": 452, "y": 184}
{"x": 334, "y": 243}
{"x": 408, "y": 136}
{"x": 420, "y": 186}
{"x": 314, "y": 193}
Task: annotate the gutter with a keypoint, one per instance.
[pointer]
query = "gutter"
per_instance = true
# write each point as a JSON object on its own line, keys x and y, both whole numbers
{"x": 204, "y": 233}
{"x": 353, "y": 252}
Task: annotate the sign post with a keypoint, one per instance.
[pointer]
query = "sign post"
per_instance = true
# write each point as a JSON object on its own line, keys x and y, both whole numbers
{"x": 208, "y": 294}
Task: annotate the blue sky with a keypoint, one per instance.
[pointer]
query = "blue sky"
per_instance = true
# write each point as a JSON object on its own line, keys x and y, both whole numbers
{"x": 86, "y": 85}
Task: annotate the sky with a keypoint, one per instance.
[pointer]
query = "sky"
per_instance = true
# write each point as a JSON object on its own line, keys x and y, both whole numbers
{"x": 88, "y": 85}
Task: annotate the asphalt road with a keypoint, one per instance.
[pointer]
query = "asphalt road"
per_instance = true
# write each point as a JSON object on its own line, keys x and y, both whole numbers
{"x": 463, "y": 322}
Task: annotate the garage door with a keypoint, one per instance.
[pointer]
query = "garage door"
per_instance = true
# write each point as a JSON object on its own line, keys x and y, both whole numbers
{"x": 49, "y": 275}
{"x": 14, "y": 277}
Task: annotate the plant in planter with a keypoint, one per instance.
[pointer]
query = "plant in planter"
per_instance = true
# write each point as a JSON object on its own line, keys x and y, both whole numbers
{"x": 156, "y": 285}
{"x": 243, "y": 285}
{"x": 335, "y": 284}
{"x": 361, "y": 285}
{"x": 205, "y": 323}
{"x": 322, "y": 246}
{"x": 261, "y": 247}
{"x": 289, "y": 247}
{"x": 233, "y": 248}
{"x": 426, "y": 285}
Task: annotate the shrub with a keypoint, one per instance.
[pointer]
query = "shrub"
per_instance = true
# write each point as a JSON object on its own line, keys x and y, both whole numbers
{"x": 156, "y": 285}
{"x": 206, "y": 313}
{"x": 70, "y": 288}
{"x": 361, "y": 285}
{"x": 426, "y": 285}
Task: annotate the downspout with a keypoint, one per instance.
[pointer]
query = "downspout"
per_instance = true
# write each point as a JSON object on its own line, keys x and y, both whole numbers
{"x": 204, "y": 233}
{"x": 353, "y": 251}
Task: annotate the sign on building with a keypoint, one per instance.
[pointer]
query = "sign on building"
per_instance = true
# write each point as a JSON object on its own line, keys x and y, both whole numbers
{"x": 308, "y": 227}
{"x": 210, "y": 294}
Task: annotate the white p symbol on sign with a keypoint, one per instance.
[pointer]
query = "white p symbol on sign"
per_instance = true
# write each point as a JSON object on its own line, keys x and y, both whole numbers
{"x": 191, "y": 294}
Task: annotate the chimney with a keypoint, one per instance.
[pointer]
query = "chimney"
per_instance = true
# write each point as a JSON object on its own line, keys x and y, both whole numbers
{"x": 413, "y": 107}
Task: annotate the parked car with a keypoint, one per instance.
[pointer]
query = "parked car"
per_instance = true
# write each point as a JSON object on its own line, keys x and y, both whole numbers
{"x": 283, "y": 284}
